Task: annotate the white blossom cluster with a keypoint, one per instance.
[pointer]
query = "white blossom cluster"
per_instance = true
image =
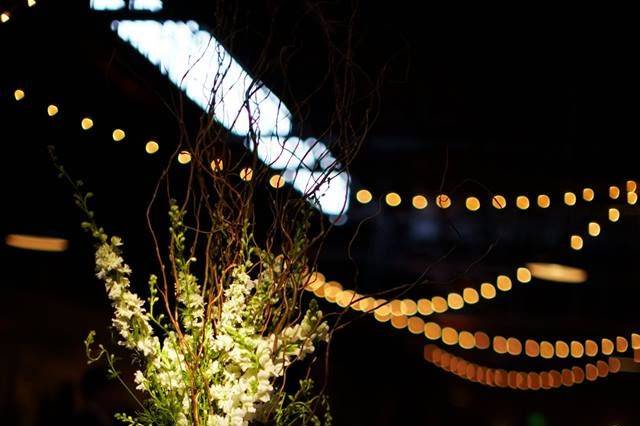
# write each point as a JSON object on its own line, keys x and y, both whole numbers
{"x": 226, "y": 365}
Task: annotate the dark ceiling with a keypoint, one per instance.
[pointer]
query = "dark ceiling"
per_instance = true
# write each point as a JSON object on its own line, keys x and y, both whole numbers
{"x": 473, "y": 101}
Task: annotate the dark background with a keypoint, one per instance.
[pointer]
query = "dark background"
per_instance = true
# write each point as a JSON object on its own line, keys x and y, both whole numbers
{"x": 513, "y": 100}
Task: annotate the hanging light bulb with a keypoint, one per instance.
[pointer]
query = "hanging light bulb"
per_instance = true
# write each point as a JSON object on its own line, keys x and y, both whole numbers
{"x": 52, "y": 110}
{"x": 364, "y": 196}
{"x": 184, "y": 157}
{"x": 151, "y": 147}
{"x": 393, "y": 199}
{"x": 499, "y": 202}
{"x": 118, "y": 135}
{"x": 419, "y": 202}
{"x": 246, "y": 174}
{"x": 86, "y": 123}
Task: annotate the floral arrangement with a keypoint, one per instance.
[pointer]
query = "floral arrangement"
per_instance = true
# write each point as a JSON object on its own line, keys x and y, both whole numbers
{"x": 211, "y": 353}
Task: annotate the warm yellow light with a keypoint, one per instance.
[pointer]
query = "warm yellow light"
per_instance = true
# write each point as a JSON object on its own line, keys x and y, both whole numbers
{"x": 345, "y": 298}
{"x": 577, "y": 349}
{"x": 86, "y": 123}
{"x": 614, "y": 214}
{"x": 614, "y": 192}
{"x": 504, "y": 283}
{"x": 482, "y": 340}
{"x": 562, "y": 349}
{"x": 594, "y": 229}
{"x": 52, "y": 110}
{"x": 33, "y": 242}
{"x": 499, "y": 202}
{"x": 399, "y": 322}
{"x": 635, "y": 341}
{"x": 449, "y": 336}
{"x": 363, "y": 196}
{"x": 606, "y": 347}
{"x": 632, "y": 186}
{"x": 590, "y": 348}
{"x": 522, "y": 202}
{"x": 466, "y": 340}
{"x": 487, "y": 290}
{"x": 217, "y": 165}
{"x": 408, "y": 307}
{"x": 396, "y": 307}
{"x": 500, "y": 345}
{"x": 544, "y": 201}
{"x": 276, "y": 181}
{"x": 184, "y": 157}
{"x": 419, "y": 202}
{"x": 424, "y": 307}
{"x": 415, "y": 325}
{"x": 443, "y": 201}
{"x": 546, "y": 350}
{"x": 472, "y": 204}
{"x": 18, "y": 94}
{"x": 439, "y": 304}
{"x": 151, "y": 147}
{"x": 470, "y": 295}
{"x": 570, "y": 198}
{"x": 576, "y": 242}
{"x": 514, "y": 346}
{"x": 118, "y": 135}
{"x": 622, "y": 344}
{"x": 523, "y": 275}
{"x": 532, "y": 348}
{"x": 4, "y": 17}
{"x": 246, "y": 174}
{"x": 315, "y": 280}
{"x": 432, "y": 331}
{"x": 557, "y": 273}
{"x": 588, "y": 194}
{"x": 393, "y": 199}
{"x": 31, "y": 3}
{"x": 455, "y": 301}
{"x": 632, "y": 198}
{"x": 591, "y": 372}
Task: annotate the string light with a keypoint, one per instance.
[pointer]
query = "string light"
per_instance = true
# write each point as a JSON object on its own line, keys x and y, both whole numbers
{"x": 614, "y": 214}
{"x": 594, "y": 229}
{"x": 588, "y": 194}
{"x": 631, "y": 186}
{"x": 443, "y": 201}
{"x": 152, "y": 147}
{"x": 557, "y": 273}
{"x": 632, "y": 198}
{"x": 544, "y": 201}
{"x": 18, "y": 95}
{"x": 246, "y": 174}
{"x": 4, "y": 17}
{"x": 118, "y": 135}
{"x": 217, "y": 165}
{"x": 393, "y": 199}
{"x": 498, "y": 202}
{"x": 576, "y": 242}
{"x": 419, "y": 202}
{"x": 522, "y": 202}
{"x": 614, "y": 192}
{"x": 519, "y": 380}
{"x": 472, "y": 204}
{"x": 52, "y": 110}
{"x": 86, "y": 123}
{"x": 570, "y": 198}
{"x": 37, "y": 243}
{"x": 184, "y": 157}
{"x": 363, "y": 196}
{"x": 31, "y": 3}
{"x": 276, "y": 181}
